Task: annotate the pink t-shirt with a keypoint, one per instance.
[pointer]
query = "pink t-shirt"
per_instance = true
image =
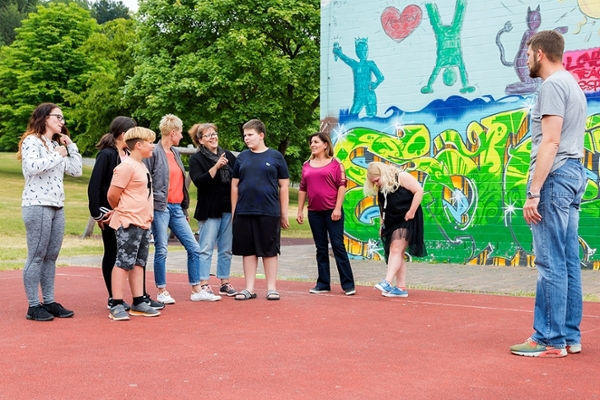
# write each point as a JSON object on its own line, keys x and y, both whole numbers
{"x": 321, "y": 184}
{"x": 136, "y": 204}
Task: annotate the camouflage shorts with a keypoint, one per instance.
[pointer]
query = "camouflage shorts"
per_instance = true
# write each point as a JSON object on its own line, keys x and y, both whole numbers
{"x": 133, "y": 246}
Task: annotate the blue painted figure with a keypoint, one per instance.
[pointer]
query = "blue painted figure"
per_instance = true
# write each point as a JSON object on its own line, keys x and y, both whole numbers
{"x": 363, "y": 70}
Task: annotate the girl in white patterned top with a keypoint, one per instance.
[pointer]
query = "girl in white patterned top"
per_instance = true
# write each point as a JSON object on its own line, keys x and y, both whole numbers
{"x": 46, "y": 153}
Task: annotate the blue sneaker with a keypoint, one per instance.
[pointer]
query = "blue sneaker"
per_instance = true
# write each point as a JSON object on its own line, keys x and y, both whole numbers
{"x": 396, "y": 292}
{"x": 384, "y": 286}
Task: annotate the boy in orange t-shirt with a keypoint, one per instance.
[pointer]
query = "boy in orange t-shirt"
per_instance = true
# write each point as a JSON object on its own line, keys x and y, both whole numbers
{"x": 130, "y": 196}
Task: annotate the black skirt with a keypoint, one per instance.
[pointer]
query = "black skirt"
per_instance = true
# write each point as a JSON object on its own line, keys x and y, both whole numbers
{"x": 394, "y": 225}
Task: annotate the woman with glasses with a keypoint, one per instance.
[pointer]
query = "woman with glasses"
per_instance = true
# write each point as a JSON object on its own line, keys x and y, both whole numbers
{"x": 210, "y": 170}
{"x": 46, "y": 152}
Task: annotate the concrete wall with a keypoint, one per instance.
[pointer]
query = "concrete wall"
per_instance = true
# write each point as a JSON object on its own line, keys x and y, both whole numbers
{"x": 444, "y": 88}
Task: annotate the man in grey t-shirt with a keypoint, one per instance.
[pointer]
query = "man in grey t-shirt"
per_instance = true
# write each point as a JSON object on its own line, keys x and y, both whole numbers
{"x": 556, "y": 184}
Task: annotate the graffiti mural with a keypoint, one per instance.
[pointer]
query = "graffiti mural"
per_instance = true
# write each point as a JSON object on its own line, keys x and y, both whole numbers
{"x": 470, "y": 151}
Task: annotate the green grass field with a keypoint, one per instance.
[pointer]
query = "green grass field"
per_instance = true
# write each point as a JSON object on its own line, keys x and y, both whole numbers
{"x": 13, "y": 246}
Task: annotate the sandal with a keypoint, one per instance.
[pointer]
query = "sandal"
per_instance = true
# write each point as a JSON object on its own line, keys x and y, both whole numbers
{"x": 272, "y": 295}
{"x": 245, "y": 295}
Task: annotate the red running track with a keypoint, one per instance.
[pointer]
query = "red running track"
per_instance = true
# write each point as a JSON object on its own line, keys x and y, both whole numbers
{"x": 432, "y": 345}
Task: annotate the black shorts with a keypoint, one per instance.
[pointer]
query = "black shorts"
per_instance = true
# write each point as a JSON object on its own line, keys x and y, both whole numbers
{"x": 256, "y": 235}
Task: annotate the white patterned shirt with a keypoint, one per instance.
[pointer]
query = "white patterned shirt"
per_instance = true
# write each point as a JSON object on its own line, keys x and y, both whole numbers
{"x": 44, "y": 170}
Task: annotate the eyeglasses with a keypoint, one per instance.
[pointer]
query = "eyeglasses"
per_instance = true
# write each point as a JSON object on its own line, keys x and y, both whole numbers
{"x": 58, "y": 117}
{"x": 211, "y": 135}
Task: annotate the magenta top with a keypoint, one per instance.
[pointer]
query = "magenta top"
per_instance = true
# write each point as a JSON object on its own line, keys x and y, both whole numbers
{"x": 321, "y": 184}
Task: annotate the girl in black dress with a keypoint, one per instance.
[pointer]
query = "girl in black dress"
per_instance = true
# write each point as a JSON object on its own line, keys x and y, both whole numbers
{"x": 399, "y": 196}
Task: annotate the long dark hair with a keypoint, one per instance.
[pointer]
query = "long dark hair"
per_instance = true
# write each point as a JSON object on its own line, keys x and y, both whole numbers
{"x": 37, "y": 123}
{"x": 118, "y": 126}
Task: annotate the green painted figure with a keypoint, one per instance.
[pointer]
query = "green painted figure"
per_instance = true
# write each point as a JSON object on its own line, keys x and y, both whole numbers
{"x": 449, "y": 52}
{"x": 363, "y": 70}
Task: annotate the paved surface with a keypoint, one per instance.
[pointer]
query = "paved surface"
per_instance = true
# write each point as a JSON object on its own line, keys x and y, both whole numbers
{"x": 431, "y": 345}
{"x": 297, "y": 262}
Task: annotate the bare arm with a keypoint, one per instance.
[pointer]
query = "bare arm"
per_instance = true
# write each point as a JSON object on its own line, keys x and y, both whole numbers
{"x": 284, "y": 201}
{"x": 234, "y": 195}
{"x": 113, "y": 195}
{"x": 410, "y": 183}
{"x": 301, "y": 200}
{"x": 551, "y": 129}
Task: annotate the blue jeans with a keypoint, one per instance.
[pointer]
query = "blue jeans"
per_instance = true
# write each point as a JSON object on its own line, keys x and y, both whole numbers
{"x": 558, "y": 300}
{"x": 321, "y": 225}
{"x": 215, "y": 231}
{"x": 174, "y": 219}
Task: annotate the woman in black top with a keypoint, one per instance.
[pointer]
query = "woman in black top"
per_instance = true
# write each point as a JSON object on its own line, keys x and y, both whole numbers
{"x": 399, "y": 196}
{"x": 112, "y": 150}
{"x": 210, "y": 170}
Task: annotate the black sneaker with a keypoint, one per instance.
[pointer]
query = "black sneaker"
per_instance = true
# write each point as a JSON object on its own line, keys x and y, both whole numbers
{"x": 39, "y": 313}
{"x": 154, "y": 304}
{"x": 110, "y": 305}
{"x": 58, "y": 310}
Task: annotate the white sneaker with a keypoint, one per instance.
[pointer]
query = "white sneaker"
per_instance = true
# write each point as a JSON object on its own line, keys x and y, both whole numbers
{"x": 165, "y": 298}
{"x": 205, "y": 294}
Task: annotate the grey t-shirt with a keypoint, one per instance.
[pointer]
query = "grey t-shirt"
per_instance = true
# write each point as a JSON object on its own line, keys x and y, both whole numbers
{"x": 560, "y": 95}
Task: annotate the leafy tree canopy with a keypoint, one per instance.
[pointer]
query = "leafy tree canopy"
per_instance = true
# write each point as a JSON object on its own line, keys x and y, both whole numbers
{"x": 94, "y": 109}
{"x": 228, "y": 61}
{"x": 43, "y": 62}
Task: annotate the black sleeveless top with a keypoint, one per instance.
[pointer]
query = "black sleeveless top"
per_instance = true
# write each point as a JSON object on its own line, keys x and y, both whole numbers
{"x": 398, "y": 204}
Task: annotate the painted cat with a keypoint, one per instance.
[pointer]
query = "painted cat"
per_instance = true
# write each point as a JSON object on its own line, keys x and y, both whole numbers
{"x": 527, "y": 84}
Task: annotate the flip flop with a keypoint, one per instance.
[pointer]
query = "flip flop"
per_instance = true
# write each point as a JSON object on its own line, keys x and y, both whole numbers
{"x": 273, "y": 295}
{"x": 245, "y": 295}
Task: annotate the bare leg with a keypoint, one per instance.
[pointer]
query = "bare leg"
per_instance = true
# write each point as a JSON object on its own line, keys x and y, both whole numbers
{"x": 271, "y": 264}
{"x": 136, "y": 281}
{"x": 250, "y": 264}
{"x": 396, "y": 265}
{"x": 118, "y": 279}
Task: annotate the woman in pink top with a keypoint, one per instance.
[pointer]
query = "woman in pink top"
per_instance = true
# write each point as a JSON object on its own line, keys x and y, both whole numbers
{"x": 324, "y": 182}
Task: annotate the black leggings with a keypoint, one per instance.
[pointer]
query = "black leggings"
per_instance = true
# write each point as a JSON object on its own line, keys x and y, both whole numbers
{"x": 109, "y": 259}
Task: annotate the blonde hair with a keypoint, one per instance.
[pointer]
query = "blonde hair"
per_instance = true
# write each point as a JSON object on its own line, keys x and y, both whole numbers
{"x": 169, "y": 123}
{"x": 136, "y": 134}
{"x": 388, "y": 178}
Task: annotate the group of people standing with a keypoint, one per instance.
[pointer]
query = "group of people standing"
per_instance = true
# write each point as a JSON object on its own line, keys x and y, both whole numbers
{"x": 138, "y": 187}
{"x": 242, "y": 206}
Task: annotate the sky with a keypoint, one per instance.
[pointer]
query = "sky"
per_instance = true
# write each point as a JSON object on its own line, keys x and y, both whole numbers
{"x": 131, "y": 4}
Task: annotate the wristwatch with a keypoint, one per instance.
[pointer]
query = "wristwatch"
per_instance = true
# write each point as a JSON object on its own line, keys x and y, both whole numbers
{"x": 531, "y": 195}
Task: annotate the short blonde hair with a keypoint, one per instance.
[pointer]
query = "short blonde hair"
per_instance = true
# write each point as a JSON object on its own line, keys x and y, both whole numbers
{"x": 136, "y": 134}
{"x": 388, "y": 178}
{"x": 168, "y": 123}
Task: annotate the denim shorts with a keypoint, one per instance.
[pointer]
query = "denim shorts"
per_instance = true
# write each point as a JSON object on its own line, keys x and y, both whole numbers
{"x": 133, "y": 246}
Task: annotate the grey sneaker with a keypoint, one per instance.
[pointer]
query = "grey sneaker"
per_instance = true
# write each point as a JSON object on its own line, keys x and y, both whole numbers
{"x": 118, "y": 313}
{"x": 143, "y": 309}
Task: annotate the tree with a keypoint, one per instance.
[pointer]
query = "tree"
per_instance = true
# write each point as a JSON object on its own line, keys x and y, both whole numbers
{"x": 109, "y": 50}
{"x": 228, "y": 61}
{"x": 108, "y": 10}
{"x": 42, "y": 63}
{"x": 11, "y": 14}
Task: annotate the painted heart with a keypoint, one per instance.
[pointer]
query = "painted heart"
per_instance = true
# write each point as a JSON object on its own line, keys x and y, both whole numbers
{"x": 398, "y": 25}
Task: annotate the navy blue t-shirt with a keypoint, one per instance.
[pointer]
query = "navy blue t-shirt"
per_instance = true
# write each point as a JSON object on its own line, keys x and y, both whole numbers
{"x": 258, "y": 187}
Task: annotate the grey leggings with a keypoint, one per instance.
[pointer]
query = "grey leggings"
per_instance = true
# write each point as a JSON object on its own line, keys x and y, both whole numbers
{"x": 45, "y": 227}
